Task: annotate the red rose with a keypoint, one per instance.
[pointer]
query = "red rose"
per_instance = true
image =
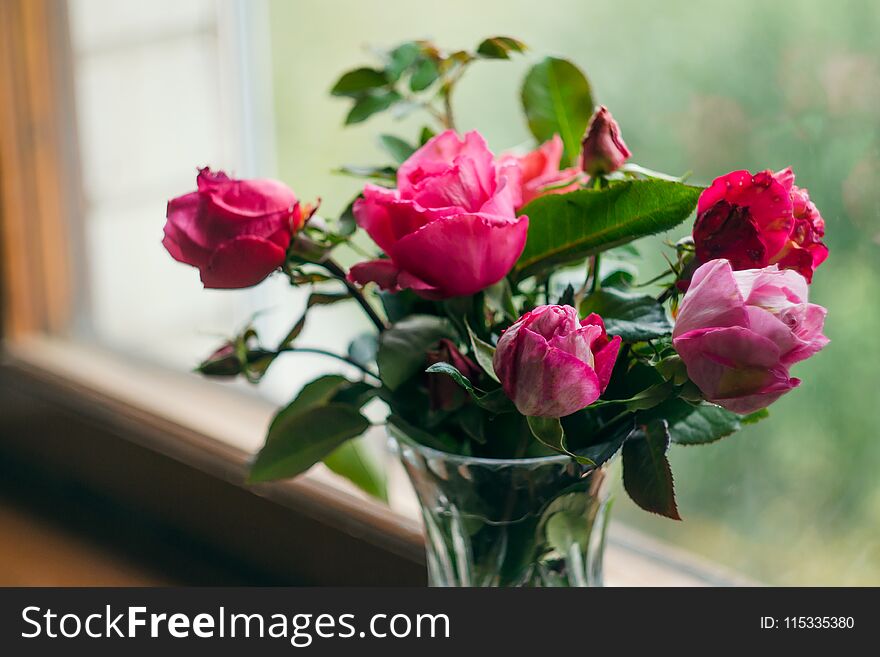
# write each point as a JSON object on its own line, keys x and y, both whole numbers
{"x": 759, "y": 220}
{"x": 236, "y": 232}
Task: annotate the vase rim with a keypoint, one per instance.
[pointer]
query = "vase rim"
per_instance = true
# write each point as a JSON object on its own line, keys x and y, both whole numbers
{"x": 477, "y": 460}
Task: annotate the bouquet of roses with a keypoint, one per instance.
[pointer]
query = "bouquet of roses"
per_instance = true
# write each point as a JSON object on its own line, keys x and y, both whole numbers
{"x": 510, "y": 322}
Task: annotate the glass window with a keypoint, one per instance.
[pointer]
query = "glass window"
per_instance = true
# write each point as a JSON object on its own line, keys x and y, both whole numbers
{"x": 164, "y": 87}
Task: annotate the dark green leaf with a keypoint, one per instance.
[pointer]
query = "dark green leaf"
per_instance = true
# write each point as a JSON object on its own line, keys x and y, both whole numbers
{"x": 647, "y": 476}
{"x": 346, "y": 224}
{"x": 358, "y": 82}
{"x": 365, "y": 106}
{"x": 452, "y": 372}
{"x": 354, "y": 461}
{"x": 315, "y": 393}
{"x": 484, "y": 353}
{"x": 396, "y": 147}
{"x": 298, "y": 440}
{"x": 548, "y": 431}
{"x": 566, "y": 228}
{"x": 402, "y": 347}
{"x": 425, "y": 135}
{"x": 425, "y": 74}
{"x": 500, "y": 47}
{"x": 557, "y": 100}
{"x": 401, "y": 58}
{"x": 691, "y": 424}
{"x": 634, "y": 317}
{"x": 379, "y": 173}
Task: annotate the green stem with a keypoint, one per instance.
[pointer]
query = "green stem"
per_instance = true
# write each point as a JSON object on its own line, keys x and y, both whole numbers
{"x": 330, "y": 354}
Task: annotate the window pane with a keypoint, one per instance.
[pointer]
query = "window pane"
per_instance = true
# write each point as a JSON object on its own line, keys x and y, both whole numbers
{"x": 707, "y": 87}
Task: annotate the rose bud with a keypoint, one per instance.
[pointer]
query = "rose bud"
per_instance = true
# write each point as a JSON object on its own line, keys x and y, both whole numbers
{"x": 759, "y": 220}
{"x": 552, "y": 365}
{"x": 446, "y": 394}
{"x": 738, "y": 332}
{"x": 236, "y": 232}
{"x": 450, "y": 228}
{"x": 540, "y": 173}
{"x": 603, "y": 147}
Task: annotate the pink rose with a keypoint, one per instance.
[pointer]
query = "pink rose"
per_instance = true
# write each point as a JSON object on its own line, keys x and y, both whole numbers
{"x": 603, "y": 148}
{"x": 236, "y": 232}
{"x": 738, "y": 332}
{"x": 450, "y": 228}
{"x": 552, "y": 365}
{"x": 759, "y": 220}
{"x": 540, "y": 173}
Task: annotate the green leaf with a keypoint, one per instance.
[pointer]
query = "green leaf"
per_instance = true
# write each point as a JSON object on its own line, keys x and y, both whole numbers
{"x": 425, "y": 74}
{"x": 557, "y": 99}
{"x": 500, "y": 47}
{"x": 315, "y": 393}
{"x": 401, "y": 58}
{"x": 396, "y": 147}
{"x": 361, "y": 171}
{"x": 298, "y": 440}
{"x": 634, "y": 317}
{"x": 346, "y": 224}
{"x": 355, "y": 462}
{"x": 698, "y": 424}
{"x": 452, "y": 372}
{"x": 494, "y": 401}
{"x": 359, "y": 81}
{"x": 755, "y": 417}
{"x": 548, "y": 431}
{"x": 373, "y": 103}
{"x": 402, "y": 347}
{"x": 484, "y": 353}
{"x": 647, "y": 476}
{"x": 426, "y": 135}
{"x": 565, "y": 228}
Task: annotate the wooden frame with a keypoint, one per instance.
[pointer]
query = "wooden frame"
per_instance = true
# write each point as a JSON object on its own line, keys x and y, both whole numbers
{"x": 134, "y": 455}
{"x": 40, "y": 198}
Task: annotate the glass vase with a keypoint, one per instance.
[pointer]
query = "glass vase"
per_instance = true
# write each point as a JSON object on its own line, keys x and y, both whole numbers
{"x": 519, "y": 522}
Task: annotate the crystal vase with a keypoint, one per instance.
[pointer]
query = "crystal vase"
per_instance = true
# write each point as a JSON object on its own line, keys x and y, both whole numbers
{"x": 519, "y": 522}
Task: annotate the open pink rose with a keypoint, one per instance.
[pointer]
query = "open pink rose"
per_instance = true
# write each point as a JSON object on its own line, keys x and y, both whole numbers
{"x": 759, "y": 220}
{"x": 236, "y": 232}
{"x": 450, "y": 228}
{"x": 603, "y": 149}
{"x": 738, "y": 332}
{"x": 551, "y": 365}
{"x": 540, "y": 173}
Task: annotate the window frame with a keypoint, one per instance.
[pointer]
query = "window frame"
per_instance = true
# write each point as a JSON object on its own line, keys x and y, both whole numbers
{"x": 102, "y": 418}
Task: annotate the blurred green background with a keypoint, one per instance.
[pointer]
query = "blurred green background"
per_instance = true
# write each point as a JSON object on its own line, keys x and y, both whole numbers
{"x": 708, "y": 87}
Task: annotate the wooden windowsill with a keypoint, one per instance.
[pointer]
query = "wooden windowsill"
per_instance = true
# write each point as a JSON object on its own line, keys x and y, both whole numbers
{"x": 212, "y": 430}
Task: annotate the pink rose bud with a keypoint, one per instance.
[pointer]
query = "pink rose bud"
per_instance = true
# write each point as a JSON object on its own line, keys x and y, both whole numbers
{"x": 450, "y": 228}
{"x": 446, "y": 394}
{"x": 759, "y": 220}
{"x": 738, "y": 332}
{"x": 540, "y": 173}
{"x": 236, "y": 232}
{"x": 552, "y": 365}
{"x": 603, "y": 147}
